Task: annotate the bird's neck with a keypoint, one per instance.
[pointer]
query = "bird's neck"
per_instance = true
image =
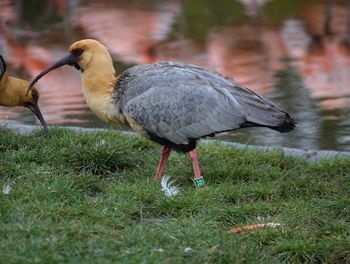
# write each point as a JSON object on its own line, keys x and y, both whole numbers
{"x": 98, "y": 84}
{"x": 98, "y": 77}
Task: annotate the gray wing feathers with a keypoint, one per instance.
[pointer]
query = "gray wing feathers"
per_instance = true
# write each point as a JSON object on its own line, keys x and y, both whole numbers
{"x": 180, "y": 101}
{"x": 258, "y": 109}
{"x": 180, "y": 115}
{"x": 183, "y": 109}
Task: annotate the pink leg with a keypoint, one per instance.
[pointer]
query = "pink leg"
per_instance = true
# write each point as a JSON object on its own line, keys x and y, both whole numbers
{"x": 162, "y": 162}
{"x": 193, "y": 156}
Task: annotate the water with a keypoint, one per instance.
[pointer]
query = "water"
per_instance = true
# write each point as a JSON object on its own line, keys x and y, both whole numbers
{"x": 294, "y": 52}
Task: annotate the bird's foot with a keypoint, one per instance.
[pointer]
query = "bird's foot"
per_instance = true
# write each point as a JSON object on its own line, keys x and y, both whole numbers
{"x": 199, "y": 182}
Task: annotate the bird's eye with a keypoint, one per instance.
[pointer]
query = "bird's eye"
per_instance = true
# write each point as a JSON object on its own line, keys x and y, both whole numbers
{"x": 78, "y": 51}
{"x": 35, "y": 95}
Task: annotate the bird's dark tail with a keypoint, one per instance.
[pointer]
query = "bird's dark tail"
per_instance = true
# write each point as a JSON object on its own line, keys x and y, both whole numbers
{"x": 287, "y": 125}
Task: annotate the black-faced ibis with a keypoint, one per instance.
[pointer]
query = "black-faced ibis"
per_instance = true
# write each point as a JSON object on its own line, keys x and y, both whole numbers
{"x": 172, "y": 104}
{"x": 13, "y": 92}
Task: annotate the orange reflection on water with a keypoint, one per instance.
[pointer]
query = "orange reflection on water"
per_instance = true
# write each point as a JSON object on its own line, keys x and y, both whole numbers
{"x": 326, "y": 65}
{"x": 129, "y": 30}
{"x": 240, "y": 54}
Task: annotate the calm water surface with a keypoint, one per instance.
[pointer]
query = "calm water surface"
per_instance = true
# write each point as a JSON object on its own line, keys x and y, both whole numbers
{"x": 294, "y": 52}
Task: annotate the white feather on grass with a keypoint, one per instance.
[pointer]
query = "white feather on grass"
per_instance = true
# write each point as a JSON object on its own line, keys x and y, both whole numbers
{"x": 273, "y": 224}
{"x": 6, "y": 189}
{"x": 168, "y": 187}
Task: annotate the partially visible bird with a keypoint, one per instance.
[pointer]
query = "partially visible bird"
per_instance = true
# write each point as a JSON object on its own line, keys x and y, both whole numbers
{"x": 13, "y": 92}
{"x": 172, "y": 104}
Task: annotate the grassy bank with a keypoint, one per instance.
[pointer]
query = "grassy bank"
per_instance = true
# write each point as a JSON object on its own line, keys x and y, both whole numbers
{"x": 90, "y": 198}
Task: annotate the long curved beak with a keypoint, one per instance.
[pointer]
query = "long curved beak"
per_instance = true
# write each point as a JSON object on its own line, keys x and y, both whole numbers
{"x": 36, "y": 111}
{"x": 70, "y": 59}
{"x": 2, "y": 67}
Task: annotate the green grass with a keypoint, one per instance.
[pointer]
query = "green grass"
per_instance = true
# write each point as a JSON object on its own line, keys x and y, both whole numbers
{"x": 90, "y": 198}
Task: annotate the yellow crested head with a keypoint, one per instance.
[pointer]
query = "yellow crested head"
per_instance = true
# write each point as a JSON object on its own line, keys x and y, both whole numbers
{"x": 29, "y": 99}
{"x": 86, "y": 44}
{"x": 89, "y": 56}
{"x": 90, "y": 50}
{"x": 13, "y": 93}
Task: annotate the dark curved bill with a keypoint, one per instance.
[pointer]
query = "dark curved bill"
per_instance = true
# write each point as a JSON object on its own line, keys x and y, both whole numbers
{"x": 2, "y": 67}
{"x": 70, "y": 59}
{"x": 36, "y": 111}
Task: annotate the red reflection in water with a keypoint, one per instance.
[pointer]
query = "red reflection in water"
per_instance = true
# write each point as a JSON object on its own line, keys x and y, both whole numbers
{"x": 326, "y": 65}
{"x": 243, "y": 58}
{"x": 129, "y": 31}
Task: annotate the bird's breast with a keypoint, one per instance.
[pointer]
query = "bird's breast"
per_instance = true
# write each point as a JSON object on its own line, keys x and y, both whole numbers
{"x": 104, "y": 108}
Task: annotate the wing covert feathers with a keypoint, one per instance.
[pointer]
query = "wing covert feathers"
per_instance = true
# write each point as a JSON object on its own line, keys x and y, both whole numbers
{"x": 181, "y": 103}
